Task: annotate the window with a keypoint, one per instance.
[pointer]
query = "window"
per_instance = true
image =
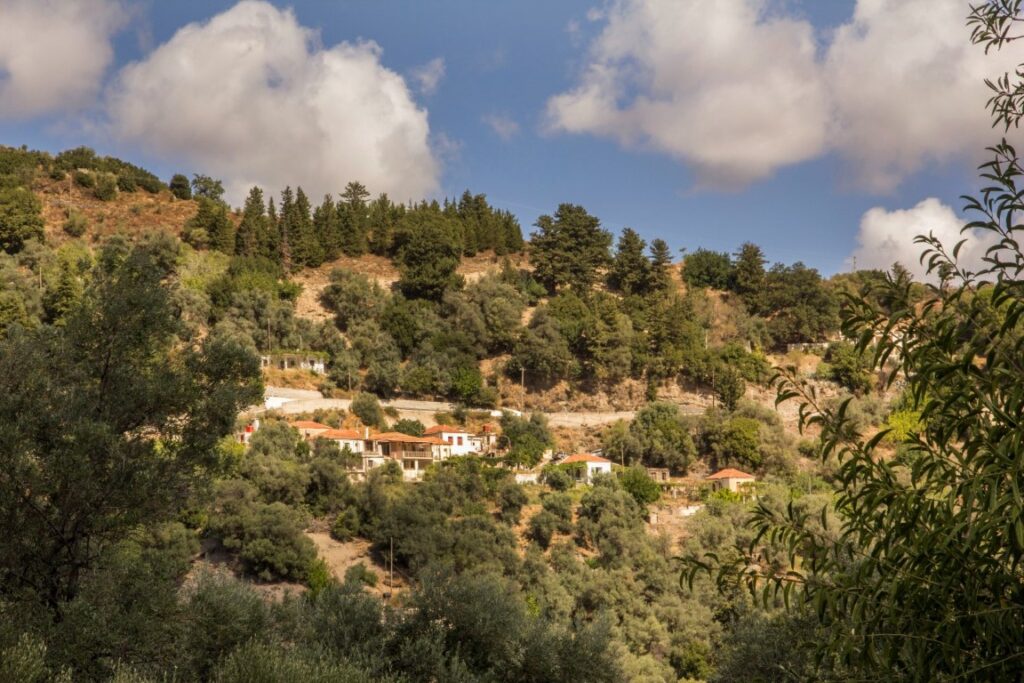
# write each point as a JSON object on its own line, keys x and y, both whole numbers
{"x": 460, "y": 440}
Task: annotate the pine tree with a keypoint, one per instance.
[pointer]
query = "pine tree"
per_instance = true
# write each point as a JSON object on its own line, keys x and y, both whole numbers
{"x": 327, "y": 227}
{"x": 661, "y": 262}
{"x": 306, "y": 249}
{"x": 252, "y": 229}
{"x": 383, "y": 216}
{"x": 631, "y": 271}
{"x": 354, "y": 219}
{"x": 285, "y": 227}
{"x": 270, "y": 247}
{"x": 748, "y": 272}
{"x": 569, "y": 249}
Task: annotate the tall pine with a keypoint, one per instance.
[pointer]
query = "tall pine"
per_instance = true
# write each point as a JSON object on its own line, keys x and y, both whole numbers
{"x": 306, "y": 249}
{"x": 631, "y": 271}
{"x": 354, "y": 219}
{"x": 251, "y": 233}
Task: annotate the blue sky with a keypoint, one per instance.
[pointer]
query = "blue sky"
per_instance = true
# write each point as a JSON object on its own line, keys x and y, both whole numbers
{"x": 508, "y": 60}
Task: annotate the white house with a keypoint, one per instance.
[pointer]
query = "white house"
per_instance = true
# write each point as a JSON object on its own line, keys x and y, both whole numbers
{"x": 414, "y": 453}
{"x": 461, "y": 441}
{"x": 246, "y": 436}
{"x": 345, "y": 438}
{"x": 592, "y": 465}
{"x": 734, "y": 480}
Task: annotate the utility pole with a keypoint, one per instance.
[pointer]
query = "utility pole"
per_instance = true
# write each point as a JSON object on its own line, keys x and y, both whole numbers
{"x": 522, "y": 386}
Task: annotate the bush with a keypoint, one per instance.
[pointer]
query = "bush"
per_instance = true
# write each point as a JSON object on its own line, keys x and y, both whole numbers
{"x": 345, "y": 525}
{"x": 76, "y": 224}
{"x": 542, "y": 528}
{"x": 367, "y": 408}
{"x": 511, "y": 499}
{"x": 180, "y": 186}
{"x": 84, "y": 179}
{"x": 558, "y": 479}
{"x": 360, "y": 574}
{"x": 319, "y": 576}
{"x": 268, "y": 539}
{"x": 106, "y": 187}
{"x": 639, "y": 484}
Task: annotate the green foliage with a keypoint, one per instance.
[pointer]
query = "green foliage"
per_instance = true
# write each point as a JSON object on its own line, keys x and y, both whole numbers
{"x": 527, "y": 438}
{"x": 361, "y": 575}
{"x": 180, "y": 186}
{"x": 569, "y": 249}
{"x": 637, "y": 483}
{"x": 847, "y": 367}
{"x": 106, "y": 187}
{"x": 352, "y": 298}
{"x": 736, "y": 441}
{"x": 428, "y": 256}
{"x": 76, "y": 223}
{"x": 205, "y": 187}
{"x": 661, "y": 438}
{"x": 20, "y": 218}
{"x": 113, "y": 430}
{"x": 367, "y": 408}
{"x": 511, "y": 499}
{"x": 267, "y": 537}
{"x": 705, "y": 268}
{"x": 410, "y": 427}
{"x": 729, "y": 386}
{"x": 345, "y": 525}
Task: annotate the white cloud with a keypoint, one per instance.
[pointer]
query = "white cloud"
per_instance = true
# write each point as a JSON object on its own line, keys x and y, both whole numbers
{"x": 428, "y": 76}
{"x": 909, "y": 88}
{"x": 734, "y": 92}
{"x": 887, "y": 237}
{"x": 503, "y": 126}
{"x": 740, "y": 91}
{"x": 251, "y": 97}
{"x": 53, "y": 55}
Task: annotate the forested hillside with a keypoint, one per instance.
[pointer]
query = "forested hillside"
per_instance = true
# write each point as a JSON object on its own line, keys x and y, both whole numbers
{"x": 107, "y": 269}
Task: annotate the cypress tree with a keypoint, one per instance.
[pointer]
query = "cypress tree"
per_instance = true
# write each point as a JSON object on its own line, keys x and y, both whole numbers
{"x": 285, "y": 227}
{"x": 306, "y": 249}
{"x": 631, "y": 271}
{"x": 661, "y": 262}
{"x": 327, "y": 227}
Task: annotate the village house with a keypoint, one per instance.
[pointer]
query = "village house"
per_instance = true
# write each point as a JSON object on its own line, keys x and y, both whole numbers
{"x": 591, "y": 465}
{"x": 460, "y": 440}
{"x": 414, "y": 453}
{"x": 313, "y": 361}
{"x": 352, "y": 439}
{"x": 246, "y": 435}
{"x": 308, "y": 429}
{"x": 734, "y": 480}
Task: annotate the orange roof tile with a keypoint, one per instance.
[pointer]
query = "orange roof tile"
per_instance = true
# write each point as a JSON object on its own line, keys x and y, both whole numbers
{"x": 437, "y": 429}
{"x": 585, "y": 457}
{"x": 730, "y": 473}
{"x": 350, "y": 434}
{"x": 307, "y": 424}
{"x": 399, "y": 437}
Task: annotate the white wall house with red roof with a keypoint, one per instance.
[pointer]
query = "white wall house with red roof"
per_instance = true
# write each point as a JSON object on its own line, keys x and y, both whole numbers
{"x": 460, "y": 440}
{"x": 591, "y": 466}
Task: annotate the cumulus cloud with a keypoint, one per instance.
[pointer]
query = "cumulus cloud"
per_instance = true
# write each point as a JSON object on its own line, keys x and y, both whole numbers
{"x": 741, "y": 91}
{"x": 428, "y": 76}
{"x": 733, "y": 92}
{"x": 53, "y": 55}
{"x": 887, "y": 237}
{"x": 908, "y": 88}
{"x": 503, "y": 126}
{"x": 251, "y": 97}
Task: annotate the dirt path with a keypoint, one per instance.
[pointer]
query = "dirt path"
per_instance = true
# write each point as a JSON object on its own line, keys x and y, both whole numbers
{"x": 340, "y": 556}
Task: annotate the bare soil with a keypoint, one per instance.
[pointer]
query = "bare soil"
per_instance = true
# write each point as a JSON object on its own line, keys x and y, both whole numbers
{"x": 340, "y": 556}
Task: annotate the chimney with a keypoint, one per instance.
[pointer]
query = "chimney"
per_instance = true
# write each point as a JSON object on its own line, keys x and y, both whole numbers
{"x": 366, "y": 432}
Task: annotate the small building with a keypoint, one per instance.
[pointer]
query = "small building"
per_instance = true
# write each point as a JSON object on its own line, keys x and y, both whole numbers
{"x": 658, "y": 474}
{"x": 345, "y": 438}
{"x": 591, "y": 466}
{"x": 732, "y": 479}
{"x": 461, "y": 441}
{"x": 313, "y": 361}
{"x": 309, "y": 429}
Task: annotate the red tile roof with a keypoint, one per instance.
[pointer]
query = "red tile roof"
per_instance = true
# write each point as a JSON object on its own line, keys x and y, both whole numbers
{"x": 437, "y": 429}
{"x": 585, "y": 457}
{"x": 350, "y": 434}
{"x": 730, "y": 473}
{"x": 306, "y": 424}
{"x": 401, "y": 438}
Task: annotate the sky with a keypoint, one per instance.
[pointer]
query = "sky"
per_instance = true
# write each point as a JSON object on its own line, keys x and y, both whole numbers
{"x": 826, "y": 131}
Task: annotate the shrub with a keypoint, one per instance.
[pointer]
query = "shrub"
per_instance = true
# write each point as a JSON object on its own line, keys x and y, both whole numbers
{"x": 319, "y": 576}
{"x": 84, "y": 179}
{"x": 511, "y": 499}
{"x": 180, "y": 186}
{"x": 76, "y": 223}
{"x": 360, "y": 574}
{"x": 542, "y": 528}
{"x": 558, "y": 479}
{"x": 367, "y": 408}
{"x": 106, "y": 187}
{"x": 345, "y": 526}
{"x": 639, "y": 484}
